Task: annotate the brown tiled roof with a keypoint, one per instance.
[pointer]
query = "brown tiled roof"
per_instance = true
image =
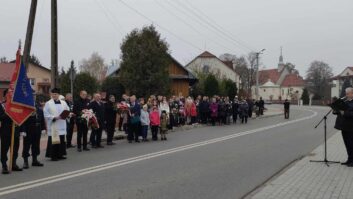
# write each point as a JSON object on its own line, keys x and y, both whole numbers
{"x": 293, "y": 80}
{"x": 207, "y": 54}
{"x": 6, "y": 71}
{"x": 229, "y": 64}
{"x": 270, "y": 74}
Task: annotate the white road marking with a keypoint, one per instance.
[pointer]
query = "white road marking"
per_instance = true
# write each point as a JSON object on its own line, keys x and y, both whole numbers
{"x": 94, "y": 169}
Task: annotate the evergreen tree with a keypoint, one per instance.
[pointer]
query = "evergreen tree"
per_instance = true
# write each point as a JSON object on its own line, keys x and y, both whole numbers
{"x": 305, "y": 96}
{"x": 145, "y": 61}
{"x": 84, "y": 81}
{"x": 211, "y": 85}
{"x": 113, "y": 86}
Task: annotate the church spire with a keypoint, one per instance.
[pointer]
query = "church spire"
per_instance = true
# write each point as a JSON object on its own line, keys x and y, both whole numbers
{"x": 280, "y": 63}
{"x": 281, "y": 57}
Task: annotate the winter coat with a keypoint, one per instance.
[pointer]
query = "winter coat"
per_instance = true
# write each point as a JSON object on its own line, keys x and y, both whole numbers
{"x": 214, "y": 109}
{"x": 145, "y": 118}
{"x": 243, "y": 109}
{"x": 154, "y": 118}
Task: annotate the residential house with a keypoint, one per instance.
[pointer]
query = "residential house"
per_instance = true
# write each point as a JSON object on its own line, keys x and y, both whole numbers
{"x": 206, "y": 62}
{"x": 38, "y": 75}
{"x": 337, "y": 81}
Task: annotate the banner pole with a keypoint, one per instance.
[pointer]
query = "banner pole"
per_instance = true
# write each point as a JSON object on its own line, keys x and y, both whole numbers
{"x": 11, "y": 147}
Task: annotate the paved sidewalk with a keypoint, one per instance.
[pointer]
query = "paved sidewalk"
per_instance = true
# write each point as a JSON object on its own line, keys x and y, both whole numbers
{"x": 308, "y": 180}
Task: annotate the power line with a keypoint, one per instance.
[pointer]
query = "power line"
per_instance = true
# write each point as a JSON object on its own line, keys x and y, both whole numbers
{"x": 213, "y": 21}
{"x": 186, "y": 23}
{"x": 115, "y": 26}
{"x": 162, "y": 27}
{"x": 201, "y": 23}
{"x": 238, "y": 44}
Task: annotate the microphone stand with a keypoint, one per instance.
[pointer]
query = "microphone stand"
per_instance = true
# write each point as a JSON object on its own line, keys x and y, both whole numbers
{"x": 327, "y": 162}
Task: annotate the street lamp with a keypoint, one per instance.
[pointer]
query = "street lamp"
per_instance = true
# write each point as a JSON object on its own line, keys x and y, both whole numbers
{"x": 257, "y": 72}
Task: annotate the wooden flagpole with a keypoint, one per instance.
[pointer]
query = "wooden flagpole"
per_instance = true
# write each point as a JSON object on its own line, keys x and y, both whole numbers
{"x": 11, "y": 147}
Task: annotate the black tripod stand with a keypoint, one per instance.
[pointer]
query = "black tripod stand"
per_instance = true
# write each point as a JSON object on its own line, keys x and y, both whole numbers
{"x": 324, "y": 119}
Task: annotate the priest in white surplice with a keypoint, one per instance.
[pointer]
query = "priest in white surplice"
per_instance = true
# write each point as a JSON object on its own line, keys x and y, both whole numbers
{"x": 56, "y": 126}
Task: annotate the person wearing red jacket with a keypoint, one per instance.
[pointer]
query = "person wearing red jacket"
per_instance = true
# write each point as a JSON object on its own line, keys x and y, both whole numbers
{"x": 155, "y": 122}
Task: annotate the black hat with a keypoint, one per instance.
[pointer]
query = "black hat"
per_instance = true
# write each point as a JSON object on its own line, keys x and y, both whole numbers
{"x": 55, "y": 90}
{"x": 5, "y": 92}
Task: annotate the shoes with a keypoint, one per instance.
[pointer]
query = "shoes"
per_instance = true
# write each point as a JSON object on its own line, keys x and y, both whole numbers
{"x": 130, "y": 141}
{"x": 79, "y": 150}
{"x": 62, "y": 158}
{"x": 349, "y": 164}
{"x": 54, "y": 159}
{"x": 100, "y": 146}
{"x": 5, "y": 170}
{"x": 86, "y": 149}
{"x": 70, "y": 146}
{"x": 110, "y": 143}
{"x": 25, "y": 165}
{"x": 16, "y": 168}
{"x": 137, "y": 141}
{"x": 37, "y": 164}
{"x": 345, "y": 163}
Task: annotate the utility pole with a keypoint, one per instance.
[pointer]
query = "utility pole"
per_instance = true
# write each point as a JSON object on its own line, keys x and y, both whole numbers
{"x": 72, "y": 77}
{"x": 54, "y": 45}
{"x": 29, "y": 33}
{"x": 257, "y": 73}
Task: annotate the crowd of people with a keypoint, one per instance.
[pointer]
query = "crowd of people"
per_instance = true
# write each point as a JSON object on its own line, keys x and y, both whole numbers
{"x": 135, "y": 116}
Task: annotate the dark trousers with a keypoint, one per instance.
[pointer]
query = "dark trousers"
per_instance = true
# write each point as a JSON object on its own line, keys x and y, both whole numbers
{"x": 96, "y": 136}
{"x": 213, "y": 120}
{"x": 82, "y": 131}
{"x": 5, "y": 147}
{"x": 235, "y": 117}
{"x": 154, "y": 130}
{"x": 204, "y": 118}
{"x": 133, "y": 132}
{"x": 110, "y": 132}
{"x": 286, "y": 113}
{"x": 250, "y": 113}
{"x": 69, "y": 131}
{"x": 244, "y": 119}
{"x": 144, "y": 131}
{"x": 32, "y": 142}
{"x": 348, "y": 142}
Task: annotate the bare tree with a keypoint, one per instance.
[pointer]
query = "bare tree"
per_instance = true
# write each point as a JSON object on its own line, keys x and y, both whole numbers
{"x": 318, "y": 76}
{"x": 94, "y": 65}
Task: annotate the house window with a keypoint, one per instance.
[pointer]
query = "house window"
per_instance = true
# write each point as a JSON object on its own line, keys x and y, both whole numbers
{"x": 45, "y": 80}
{"x": 206, "y": 69}
{"x": 32, "y": 81}
{"x": 282, "y": 91}
{"x": 264, "y": 90}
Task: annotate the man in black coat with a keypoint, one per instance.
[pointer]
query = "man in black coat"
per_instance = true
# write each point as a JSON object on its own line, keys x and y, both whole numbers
{"x": 110, "y": 118}
{"x": 98, "y": 109}
{"x": 5, "y": 136}
{"x": 204, "y": 108}
{"x": 286, "y": 109}
{"x": 344, "y": 123}
{"x": 261, "y": 106}
{"x": 82, "y": 128}
{"x": 235, "y": 107}
{"x": 34, "y": 126}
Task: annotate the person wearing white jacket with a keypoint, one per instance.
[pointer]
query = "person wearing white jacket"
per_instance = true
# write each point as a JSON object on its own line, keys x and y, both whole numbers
{"x": 145, "y": 122}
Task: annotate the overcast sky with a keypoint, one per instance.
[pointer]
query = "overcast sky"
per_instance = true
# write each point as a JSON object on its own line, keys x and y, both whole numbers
{"x": 307, "y": 29}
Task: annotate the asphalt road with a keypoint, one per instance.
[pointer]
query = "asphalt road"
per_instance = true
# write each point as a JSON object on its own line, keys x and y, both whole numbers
{"x": 209, "y": 162}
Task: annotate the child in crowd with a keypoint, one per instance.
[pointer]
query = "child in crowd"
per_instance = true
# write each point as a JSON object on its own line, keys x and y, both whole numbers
{"x": 145, "y": 122}
{"x": 164, "y": 127}
{"x": 155, "y": 122}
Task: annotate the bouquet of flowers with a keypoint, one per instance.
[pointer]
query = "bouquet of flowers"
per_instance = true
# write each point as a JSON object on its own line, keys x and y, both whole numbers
{"x": 90, "y": 117}
{"x": 123, "y": 106}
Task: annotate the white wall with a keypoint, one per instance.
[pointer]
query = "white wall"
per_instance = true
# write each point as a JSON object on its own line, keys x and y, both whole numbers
{"x": 216, "y": 67}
